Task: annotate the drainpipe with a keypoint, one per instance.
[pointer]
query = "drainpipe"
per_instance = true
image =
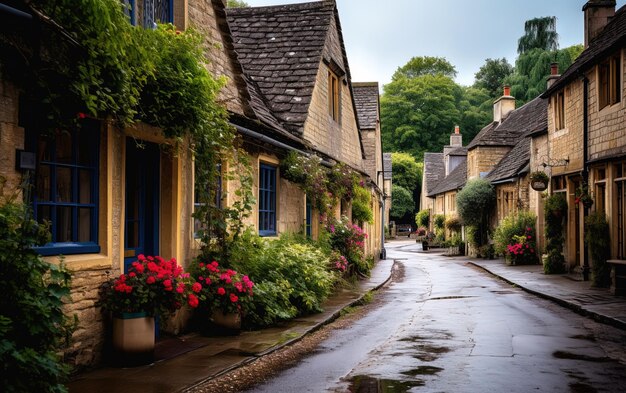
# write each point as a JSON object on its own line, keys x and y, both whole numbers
{"x": 585, "y": 172}
{"x": 383, "y": 252}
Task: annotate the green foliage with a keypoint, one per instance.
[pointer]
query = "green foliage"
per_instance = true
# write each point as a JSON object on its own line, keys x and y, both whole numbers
{"x": 349, "y": 241}
{"x": 426, "y": 65}
{"x": 33, "y": 327}
{"x": 555, "y": 210}
{"x": 237, "y": 4}
{"x": 491, "y": 76}
{"x": 474, "y": 204}
{"x": 514, "y": 224}
{"x": 597, "y": 239}
{"x": 453, "y": 224}
{"x": 407, "y": 172}
{"x": 439, "y": 221}
{"x": 401, "y": 202}
{"x": 291, "y": 277}
{"x": 361, "y": 206}
{"x": 311, "y": 176}
{"x": 539, "y": 33}
{"x": 422, "y": 218}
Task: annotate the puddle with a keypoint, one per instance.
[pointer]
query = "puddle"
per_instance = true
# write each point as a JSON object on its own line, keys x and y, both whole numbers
{"x": 573, "y": 356}
{"x": 578, "y": 387}
{"x": 367, "y": 384}
{"x": 448, "y": 297}
{"x": 422, "y": 370}
{"x": 588, "y": 337}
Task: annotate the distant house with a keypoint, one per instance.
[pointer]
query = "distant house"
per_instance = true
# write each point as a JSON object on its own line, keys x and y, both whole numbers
{"x": 585, "y": 145}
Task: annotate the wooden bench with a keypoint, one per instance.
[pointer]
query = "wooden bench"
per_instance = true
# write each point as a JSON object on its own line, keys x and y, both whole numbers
{"x": 618, "y": 276}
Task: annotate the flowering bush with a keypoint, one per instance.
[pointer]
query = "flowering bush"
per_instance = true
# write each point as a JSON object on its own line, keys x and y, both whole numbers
{"x": 523, "y": 249}
{"x": 152, "y": 285}
{"x": 222, "y": 289}
{"x": 349, "y": 241}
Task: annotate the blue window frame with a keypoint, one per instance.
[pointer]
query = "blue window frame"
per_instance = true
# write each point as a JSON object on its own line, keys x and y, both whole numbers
{"x": 308, "y": 223}
{"x": 153, "y": 11}
{"x": 267, "y": 200}
{"x": 197, "y": 224}
{"x": 66, "y": 188}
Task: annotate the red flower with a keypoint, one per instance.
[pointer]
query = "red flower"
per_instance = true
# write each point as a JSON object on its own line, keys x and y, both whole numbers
{"x": 192, "y": 300}
{"x": 167, "y": 283}
{"x": 221, "y": 291}
{"x": 196, "y": 287}
{"x": 151, "y": 280}
{"x": 233, "y": 298}
{"x": 81, "y": 115}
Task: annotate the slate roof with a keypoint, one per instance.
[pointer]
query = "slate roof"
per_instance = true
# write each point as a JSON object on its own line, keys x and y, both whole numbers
{"x": 387, "y": 175}
{"x": 529, "y": 118}
{"x": 612, "y": 37}
{"x": 366, "y": 100}
{"x": 459, "y": 151}
{"x": 434, "y": 171}
{"x": 454, "y": 181}
{"x": 512, "y": 164}
{"x": 280, "y": 49}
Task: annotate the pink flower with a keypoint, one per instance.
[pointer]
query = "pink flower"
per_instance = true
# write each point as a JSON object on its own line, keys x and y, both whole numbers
{"x": 180, "y": 288}
{"x": 192, "y": 300}
{"x": 221, "y": 291}
{"x": 233, "y": 298}
{"x": 196, "y": 287}
{"x": 167, "y": 283}
{"x": 150, "y": 280}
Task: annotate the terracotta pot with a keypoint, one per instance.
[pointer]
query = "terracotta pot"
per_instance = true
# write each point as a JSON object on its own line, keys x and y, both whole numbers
{"x": 133, "y": 339}
{"x": 226, "y": 323}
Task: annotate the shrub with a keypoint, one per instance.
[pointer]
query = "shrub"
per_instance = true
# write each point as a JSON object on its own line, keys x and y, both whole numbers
{"x": 361, "y": 210}
{"x": 421, "y": 231}
{"x": 401, "y": 202}
{"x": 422, "y": 218}
{"x": 555, "y": 210}
{"x": 453, "y": 224}
{"x": 439, "y": 221}
{"x": 597, "y": 239}
{"x": 515, "y": 224}
{"x": 291, "y": 277}
{"x": 475, "y": 202}
{"x": 33, "y": 327}
{"x": 349, "y": 240}
{"x": 523, "y": 248}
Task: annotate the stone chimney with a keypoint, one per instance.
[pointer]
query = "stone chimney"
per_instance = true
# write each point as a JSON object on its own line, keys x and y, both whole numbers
{"x": 554, "y": 74}
{"x": 503, "y": 105}
{"x": 456, "y": 141}
{"x": 597, "y": 14}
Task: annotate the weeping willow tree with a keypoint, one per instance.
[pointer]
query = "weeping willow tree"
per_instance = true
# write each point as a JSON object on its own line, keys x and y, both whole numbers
{"x": 539, "y": 33}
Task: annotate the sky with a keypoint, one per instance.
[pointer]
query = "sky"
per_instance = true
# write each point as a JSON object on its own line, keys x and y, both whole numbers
{"x": 382, "y": 35}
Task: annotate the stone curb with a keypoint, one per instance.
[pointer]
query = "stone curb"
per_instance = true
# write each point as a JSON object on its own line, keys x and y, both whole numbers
{"x": 577, "y": 308}
{"x": 332, "y": 317}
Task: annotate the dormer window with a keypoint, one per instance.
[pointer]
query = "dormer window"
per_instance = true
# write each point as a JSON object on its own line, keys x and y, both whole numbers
{"x": 559, "y": 110}
{"x": 609, "y": 81}
{"x": 333, "y": 96}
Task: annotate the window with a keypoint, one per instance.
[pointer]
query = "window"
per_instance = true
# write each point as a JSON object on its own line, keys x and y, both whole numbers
{"x": 559, "y": 111}
{"x": 609, "y": 81}
{"x": 153, "y": 11}
{"x": 507, "y": 202}
{"x": 333, "y": 96}
{"x": 66, "y": 188}
{"x": 197, "y": 223}
{"x": 600, "y": 189}
{"x": 267, "y": 200}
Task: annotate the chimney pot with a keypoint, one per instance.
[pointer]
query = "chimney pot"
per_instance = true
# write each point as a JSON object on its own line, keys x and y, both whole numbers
{"x": 554, "y": 68}
{"x": 507, "y": 91}
{"x": 457, "y": 130}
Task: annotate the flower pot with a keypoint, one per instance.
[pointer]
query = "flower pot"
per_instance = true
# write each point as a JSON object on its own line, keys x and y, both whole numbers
{"x": 133, "y": 339}
{"x": 226, "y": 323}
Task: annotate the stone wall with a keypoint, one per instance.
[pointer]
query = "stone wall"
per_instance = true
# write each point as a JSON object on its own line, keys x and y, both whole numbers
{"x": 483, "y": 159}
{"x": 11, "y": 138}
{"x": 567, "y": 142}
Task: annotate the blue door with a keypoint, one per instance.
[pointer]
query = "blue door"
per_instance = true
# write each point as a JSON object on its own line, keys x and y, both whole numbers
{"x": 141, "y": 216}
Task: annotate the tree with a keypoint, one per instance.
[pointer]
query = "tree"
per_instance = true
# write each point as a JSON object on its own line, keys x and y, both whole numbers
{"x": 474, "y": 204}
{"x": 476, "y": 108}
{"x": 425, "y": 65}
{"x": 237, "y": 4}
{"x": 418, "y": 114}
{"x": 491, "y": 76}
{"x": 539, "y": 33}
{"x": 401, "y": 202}
{"x": 407, "y": 172}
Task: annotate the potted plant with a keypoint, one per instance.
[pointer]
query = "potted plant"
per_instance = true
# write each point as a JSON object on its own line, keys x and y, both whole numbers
{"x": 224, "y": 295}
{"x": 151, "y": 287}
{"x": 582, "y": 195}
{"x": 539, "y": 180}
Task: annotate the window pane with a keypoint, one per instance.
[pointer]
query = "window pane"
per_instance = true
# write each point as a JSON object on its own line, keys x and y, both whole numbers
{"x": 43, "y": 149}
{"x": 84, "y": 186}
{"x": 132, "y": 234}
{"x": 64, "y": 224}
{"x": 84, "y": 224}
{"x": 42, "y": 190}
{"x": 43, "y": 214}
{"x": 64, "y": 185}
{"x": 64, "y": 147}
